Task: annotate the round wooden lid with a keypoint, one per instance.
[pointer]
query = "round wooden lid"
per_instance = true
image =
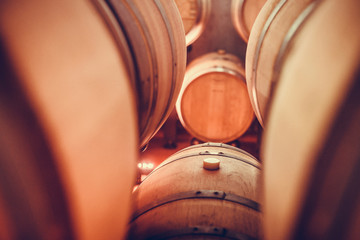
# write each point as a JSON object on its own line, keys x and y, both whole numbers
{"x": 216, "y": 107}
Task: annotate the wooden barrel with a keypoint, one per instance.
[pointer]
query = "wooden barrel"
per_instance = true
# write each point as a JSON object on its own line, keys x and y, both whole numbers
{"x": 195, "y": 15}
{"x": 213, "y": 103}
{"x": 243, "y": 15}
{"x": 271, "y": 34}
{"x": 156, "y": 38}
{"x": 182, "y": 199}
{"x": 312, "y": 137}
{"x": 68, "y": 142}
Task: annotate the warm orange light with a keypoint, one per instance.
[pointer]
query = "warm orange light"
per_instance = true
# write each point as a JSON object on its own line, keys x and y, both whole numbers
{"x": 146, "y": 166}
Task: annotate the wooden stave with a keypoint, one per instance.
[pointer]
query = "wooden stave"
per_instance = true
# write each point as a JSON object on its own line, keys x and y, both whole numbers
{"x": 158, "y": 27}
{"x": 241, "y": 20}
{"x": 27, "y": 210}
{"x": 308, "y": 154}
{"x": 222, "y": 63}
{"x": 337, "y": 160}
{"x": 143, "y": 196}
{"x": 86, "y": 221}
{"x": 137, "y": 33}
{"x": 267, "y": 43}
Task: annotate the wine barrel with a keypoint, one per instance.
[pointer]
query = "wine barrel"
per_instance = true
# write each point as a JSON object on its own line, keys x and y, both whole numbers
{"x": 195, "y": 15}
{"x": 155, "y": 34}
{"x": 243, "y": 15}
{"x": 311, "y": 141}
{"x": 271, "y": 34}
{"x": 185, "y": 199}
{"x": 68, "y": 142}
{"x": 213, "y": 104}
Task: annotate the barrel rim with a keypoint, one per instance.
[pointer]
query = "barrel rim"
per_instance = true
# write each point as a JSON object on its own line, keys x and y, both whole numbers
{"x": 141, "y": 37}
{"x": 284, "y": 49}
{"x": 258, "y": 48}
{"x": 109, "y": 18}
{"x": 238, "y": 19}
{"x": 204, "y": 7}
{"x": 178, "y": 156}
{"x": 174, "y": 69}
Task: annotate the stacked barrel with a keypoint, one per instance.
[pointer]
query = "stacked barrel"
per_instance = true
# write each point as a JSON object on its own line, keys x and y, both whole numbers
{"x": 309, "y": 101}
{"x": 84, "y": 85}
{"x": 201, "y": 192}
{"x": 214, "y": 103}
{"x": 302, "y": 73}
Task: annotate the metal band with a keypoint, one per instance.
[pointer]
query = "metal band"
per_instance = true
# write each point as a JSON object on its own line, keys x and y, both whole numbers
{"x": 204, "y": 7}
{"x": 245, "y": 31}
{"x": 218, "y": 145}
{"x": 136, "y": 30}
{"x": 205, "y": 153}
{"x": 212, "y": 69}
{"x": 118, "y": 34}
{"x": 155, "y": 76}
{"x": 219, "y": 66}
{"x": 242, "y": 8}
{"x": 174, "y": 69}
{"x": 257, "y": 55}
{"x": 202, "y": 231}
{"x": 288, "y": 39}
{"x": 125, "y": 18}
{"x": 198, "y": 194}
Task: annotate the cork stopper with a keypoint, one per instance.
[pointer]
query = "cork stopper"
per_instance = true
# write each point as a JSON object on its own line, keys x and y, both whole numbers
{"x": 211, "y": 163}
{"x": 221, "y": 51}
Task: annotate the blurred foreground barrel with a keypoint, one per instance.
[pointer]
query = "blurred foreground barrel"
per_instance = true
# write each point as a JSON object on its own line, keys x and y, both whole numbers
{"x": 195, "y": 15}
{"x": 271, "y": 34}
{"x": 213, "y": 104}
{"x": 68, "y": 142}
{"x": 311, "y": 142}
{"x": 181, "y": 199}
{"x": 243, "y": 15}
{"x": 155, "y": 34}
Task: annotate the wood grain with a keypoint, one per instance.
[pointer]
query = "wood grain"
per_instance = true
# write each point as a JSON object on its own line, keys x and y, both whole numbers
{"x": 184, "y": 172}
{"x": 243, "y": 15}
{"x": 213, "y": 104}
